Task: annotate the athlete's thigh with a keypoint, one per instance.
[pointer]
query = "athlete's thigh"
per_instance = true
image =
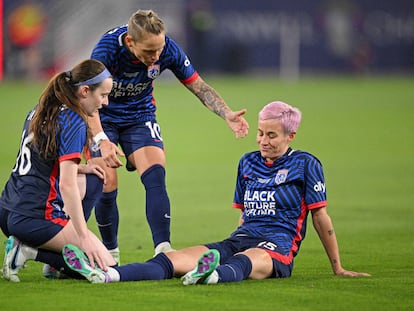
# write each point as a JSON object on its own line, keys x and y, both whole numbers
{"x": 146, "y": 157}
{"x": 81, "y": 179}
{"x": 262, "y": 264}
{"x": 185, "y": 259}
{"x": 67, "y": 235}
{"x": 142, "y": 144}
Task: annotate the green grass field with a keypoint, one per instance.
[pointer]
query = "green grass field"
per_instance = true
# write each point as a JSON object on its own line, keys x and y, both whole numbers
{"x": 360, "y": 128}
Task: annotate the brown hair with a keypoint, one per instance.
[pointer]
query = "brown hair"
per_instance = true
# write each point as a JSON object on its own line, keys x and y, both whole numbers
{"x": 60, "y": 93}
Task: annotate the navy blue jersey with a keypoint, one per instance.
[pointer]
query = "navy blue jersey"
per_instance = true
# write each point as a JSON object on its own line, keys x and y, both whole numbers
{"x": 276, "y": 198}
{"x": 33, "y": 187}
{"x": 131, "y": 99}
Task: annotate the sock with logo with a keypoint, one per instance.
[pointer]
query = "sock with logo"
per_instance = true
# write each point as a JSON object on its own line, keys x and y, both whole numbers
{"x": 157, "y": 203}
{"x": 235, "y": 269}
{"x": 107, "y": 217}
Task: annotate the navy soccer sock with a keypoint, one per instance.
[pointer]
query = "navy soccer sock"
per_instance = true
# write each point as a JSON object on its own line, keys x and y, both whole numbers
{"x": 107, "y": 217}
{"x": 56, "y": 261}
{"x": 158, "y": 268}
{"x": 235, "y": 269}
{"x": 157, "y": 203}
{"x": 94, "y": 187}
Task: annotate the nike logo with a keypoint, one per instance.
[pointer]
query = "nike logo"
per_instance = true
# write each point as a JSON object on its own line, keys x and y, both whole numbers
{"x": 13, "y": 264}
{"x": 167, "y": 216}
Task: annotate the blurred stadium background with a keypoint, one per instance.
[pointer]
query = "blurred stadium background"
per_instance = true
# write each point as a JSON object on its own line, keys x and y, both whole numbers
{"x": 359, "y": 123}
{"x": 284, "y": 38}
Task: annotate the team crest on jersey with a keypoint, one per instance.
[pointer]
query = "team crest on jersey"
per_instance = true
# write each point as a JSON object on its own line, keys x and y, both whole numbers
{"x": 281, "y": 176}
{"x": 153, "y": 71}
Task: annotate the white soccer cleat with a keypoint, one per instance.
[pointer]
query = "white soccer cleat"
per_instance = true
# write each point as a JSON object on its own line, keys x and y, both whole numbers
{"x": 207, "y": 264}
{"x": 14, "y": 259}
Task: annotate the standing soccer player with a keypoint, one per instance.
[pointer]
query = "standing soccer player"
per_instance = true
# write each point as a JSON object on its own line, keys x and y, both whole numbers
{"x": 136, "y": 54}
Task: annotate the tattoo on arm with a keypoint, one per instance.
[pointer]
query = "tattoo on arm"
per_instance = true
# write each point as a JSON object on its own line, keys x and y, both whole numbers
{"x": 209, "y": 97}
{"x": 330, "y": 231}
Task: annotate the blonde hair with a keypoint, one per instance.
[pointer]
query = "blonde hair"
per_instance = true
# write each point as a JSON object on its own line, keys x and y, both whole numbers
{"x": 144, "y": 21}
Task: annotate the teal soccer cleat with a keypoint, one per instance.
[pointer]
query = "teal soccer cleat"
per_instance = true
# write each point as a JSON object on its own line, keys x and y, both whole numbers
{"x": 76, "y": 259}
{"x": 206, "y": 265}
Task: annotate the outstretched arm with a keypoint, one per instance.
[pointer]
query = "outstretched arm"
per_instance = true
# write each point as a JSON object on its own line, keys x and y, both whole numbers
{"x": 215, "y": 103}
{"x": 324, "y": 227}
{"x": 71, "y": 196}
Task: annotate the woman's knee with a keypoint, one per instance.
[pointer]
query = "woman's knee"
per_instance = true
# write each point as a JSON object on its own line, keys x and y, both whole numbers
{"x": 111, "y": 181}
{"x": 262, "y": 264}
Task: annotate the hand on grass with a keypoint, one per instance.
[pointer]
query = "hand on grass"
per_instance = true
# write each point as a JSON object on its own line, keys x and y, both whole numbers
{"x": 347, "y": 273}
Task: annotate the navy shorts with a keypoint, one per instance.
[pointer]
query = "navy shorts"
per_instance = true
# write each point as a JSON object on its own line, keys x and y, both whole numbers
{"x": 240, "y": 242}
{"x": 29, "y": 230}
{"x": 133, "y": 136}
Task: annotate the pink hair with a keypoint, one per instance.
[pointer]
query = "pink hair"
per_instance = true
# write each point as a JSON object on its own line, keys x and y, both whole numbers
{"x": 289, "y": 116}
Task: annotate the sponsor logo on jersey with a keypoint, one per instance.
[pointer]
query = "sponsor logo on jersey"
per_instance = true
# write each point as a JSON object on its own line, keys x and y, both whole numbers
{"x": 153, "y": 71}
{"x": 320, "y": 186}
{"x": 258, "y": 203}
{"x": 121, "y": 89}
{"x": 281, "y": 176}
{"x": 263, "y": 180}
{"x": 264, "y": 196}
{"x": 130, "y": 74}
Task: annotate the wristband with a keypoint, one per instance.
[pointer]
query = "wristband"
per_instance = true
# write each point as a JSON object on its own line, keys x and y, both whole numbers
{"x": 98, "y": 138}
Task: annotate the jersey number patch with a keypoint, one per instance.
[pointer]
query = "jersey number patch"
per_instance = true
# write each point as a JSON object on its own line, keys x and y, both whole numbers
{"x": 155, "y": 130}
{"x": 23, "y": 163}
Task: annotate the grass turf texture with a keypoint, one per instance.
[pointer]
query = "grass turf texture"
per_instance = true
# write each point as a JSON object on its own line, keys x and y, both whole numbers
{"x": 360, "y": 128}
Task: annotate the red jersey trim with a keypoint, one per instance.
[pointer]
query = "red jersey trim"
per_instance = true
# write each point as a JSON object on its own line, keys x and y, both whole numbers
{"x": 190, "y": 79}
{"x": 60, "y": 221}
{"x": 87, "y": 153}
{"x": 72, "y": 156}
{"x": 152, "y": 98}
{"x": 317, "y": 205}
{"x": 285, "y": 259}
{"x": 298, "y": 237}
{"x": 52, "y": 192}
{"x": 238, "y": 205}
